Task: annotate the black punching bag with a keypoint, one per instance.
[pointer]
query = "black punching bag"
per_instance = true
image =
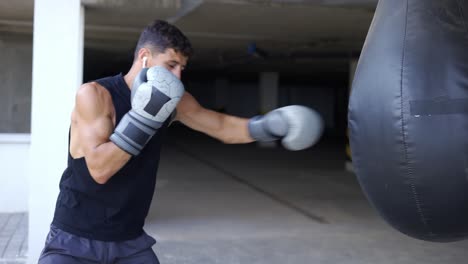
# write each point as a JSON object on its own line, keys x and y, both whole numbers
{"x": 408, "y": 117}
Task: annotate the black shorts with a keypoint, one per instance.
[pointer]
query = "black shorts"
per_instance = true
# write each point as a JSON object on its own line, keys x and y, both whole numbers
{"x": 65, "y": 248}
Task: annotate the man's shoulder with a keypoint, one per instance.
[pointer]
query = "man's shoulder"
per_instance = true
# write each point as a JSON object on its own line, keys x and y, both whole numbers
{"x": 90, "y": 90}
{"x": 93, "y": 94}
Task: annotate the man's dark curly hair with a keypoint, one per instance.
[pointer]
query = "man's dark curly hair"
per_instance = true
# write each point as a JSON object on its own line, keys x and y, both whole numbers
{"x": 160, "y": 36}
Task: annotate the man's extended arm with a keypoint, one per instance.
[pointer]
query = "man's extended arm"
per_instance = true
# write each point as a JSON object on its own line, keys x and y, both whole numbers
{"x": 226, "y": 128}
{"x": 297, "y": 127}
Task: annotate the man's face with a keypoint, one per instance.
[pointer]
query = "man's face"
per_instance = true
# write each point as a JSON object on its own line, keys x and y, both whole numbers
{"x": 174, "y": 61}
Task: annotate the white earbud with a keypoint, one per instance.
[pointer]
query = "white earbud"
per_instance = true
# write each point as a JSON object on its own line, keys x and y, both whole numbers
{"x": 144, "y": 61}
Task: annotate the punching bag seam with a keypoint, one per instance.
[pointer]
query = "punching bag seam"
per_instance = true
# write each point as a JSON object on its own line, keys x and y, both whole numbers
{"x": 405, "y": 146}
{"x": 460, "y": 8}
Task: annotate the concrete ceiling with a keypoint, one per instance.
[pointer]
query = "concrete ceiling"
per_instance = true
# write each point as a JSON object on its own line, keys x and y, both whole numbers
{"x": 291, "y": 35}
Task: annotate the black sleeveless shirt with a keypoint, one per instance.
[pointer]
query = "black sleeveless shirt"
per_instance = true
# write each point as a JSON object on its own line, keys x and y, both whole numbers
{"x": 114, "y": 211}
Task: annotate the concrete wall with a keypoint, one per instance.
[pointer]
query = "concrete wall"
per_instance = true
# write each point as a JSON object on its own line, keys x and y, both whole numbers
{"x": 244, "y": 100}
{"x": 15, "y": 80}
{"x": 14, "y": 156}
{"x": 319, "y": 98}
{"x": 242, "y": 97}
{"x": 15, "y": 120}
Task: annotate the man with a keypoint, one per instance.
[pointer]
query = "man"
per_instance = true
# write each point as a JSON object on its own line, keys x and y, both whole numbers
{"x": 117, "y": 127}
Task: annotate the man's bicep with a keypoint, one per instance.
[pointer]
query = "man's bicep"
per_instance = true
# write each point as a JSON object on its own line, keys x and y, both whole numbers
{"x": 228, "y": 129}
{"x": 193, "y": 115}
{"x": 93, "y": 123}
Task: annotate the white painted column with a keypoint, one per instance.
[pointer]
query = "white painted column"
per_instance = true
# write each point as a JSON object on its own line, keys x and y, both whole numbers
{"x": 57, "y": 73}
{"x": 268, "y": 91}
{"x": 352, "y": 70}
{"x": 221, "y": 93}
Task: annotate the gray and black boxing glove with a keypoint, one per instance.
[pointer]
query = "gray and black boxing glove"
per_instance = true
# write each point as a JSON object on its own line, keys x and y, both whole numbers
{"x": 297, "y": 126}
{"x": 155, "y": 94}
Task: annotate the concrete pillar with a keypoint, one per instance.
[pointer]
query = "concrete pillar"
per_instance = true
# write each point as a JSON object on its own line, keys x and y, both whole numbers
{"x": 268, "y": 91}
{"x": 221, "y": 93}
{"x": 269, "y": 88}
{"x": 352, "y": 70}
{"x": 57, "y": 72}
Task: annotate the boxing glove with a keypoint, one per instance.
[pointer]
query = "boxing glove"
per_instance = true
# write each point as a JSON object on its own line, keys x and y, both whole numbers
{"x": 155, "y": 94}
{"x": 298, "y": 127}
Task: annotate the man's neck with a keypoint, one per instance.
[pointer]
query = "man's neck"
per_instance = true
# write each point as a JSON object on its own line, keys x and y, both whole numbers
{"x": 130, "y": 76}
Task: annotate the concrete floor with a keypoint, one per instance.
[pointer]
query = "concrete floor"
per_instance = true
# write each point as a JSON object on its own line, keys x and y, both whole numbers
{"x": 234, "y": 204}
{"x": 13, "y": 238}
{"x": 238, "y": 204}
